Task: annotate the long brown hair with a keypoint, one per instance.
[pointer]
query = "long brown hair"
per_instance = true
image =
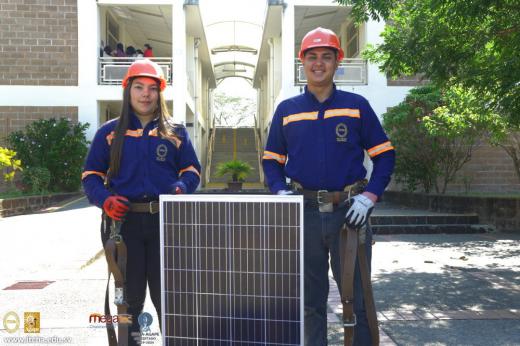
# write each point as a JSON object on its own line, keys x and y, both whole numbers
{"x": 165, "y": 127}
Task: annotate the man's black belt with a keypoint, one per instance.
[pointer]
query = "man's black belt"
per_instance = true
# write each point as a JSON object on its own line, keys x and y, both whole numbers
{"x": 334, "y": 197}
{"x": 148, "y": 207}
{"x": 324, "y": 196}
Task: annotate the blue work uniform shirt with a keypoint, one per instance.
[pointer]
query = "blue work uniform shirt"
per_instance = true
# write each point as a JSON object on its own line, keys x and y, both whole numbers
{"x": 322, "y": 145}
{"x": 150, "y": 164}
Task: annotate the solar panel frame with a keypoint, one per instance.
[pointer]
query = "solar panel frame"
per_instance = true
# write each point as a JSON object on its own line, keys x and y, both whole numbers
{"x": 261, "y": 200}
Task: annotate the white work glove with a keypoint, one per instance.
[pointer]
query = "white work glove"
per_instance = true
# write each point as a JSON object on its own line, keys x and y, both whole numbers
{"x": 284, "y": 192}
{"x": 360, "y": 208}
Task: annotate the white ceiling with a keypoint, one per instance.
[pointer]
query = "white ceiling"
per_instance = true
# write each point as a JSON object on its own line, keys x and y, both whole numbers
{"x": 150, "y": 24}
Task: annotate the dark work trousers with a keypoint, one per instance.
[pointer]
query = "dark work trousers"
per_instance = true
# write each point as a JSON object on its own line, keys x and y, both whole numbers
{"x": 321, "y": 238}
{"x": 140, "y": 232}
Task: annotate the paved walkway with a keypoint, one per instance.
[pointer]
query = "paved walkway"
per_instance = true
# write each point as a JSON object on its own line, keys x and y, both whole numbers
{"x": 445, "y": 289}
{"x": 429, "y": 289}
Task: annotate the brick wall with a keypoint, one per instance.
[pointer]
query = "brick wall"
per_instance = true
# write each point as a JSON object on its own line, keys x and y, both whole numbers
{"x": 415, "y": 80}
{"x": 489, "y": 170}
{"x": 38, "y": 42}
{"x": 14, "y": 118}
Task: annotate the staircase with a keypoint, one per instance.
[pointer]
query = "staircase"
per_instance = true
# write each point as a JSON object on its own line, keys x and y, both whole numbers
{"x": 239, "y": 144}
{"x": 391, "y": 219}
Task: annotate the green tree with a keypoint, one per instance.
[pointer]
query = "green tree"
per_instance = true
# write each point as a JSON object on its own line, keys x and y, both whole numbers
{"x": 233, "y": 111}
{"x": 473, "y": 44}
{"x": 434, "y": 132}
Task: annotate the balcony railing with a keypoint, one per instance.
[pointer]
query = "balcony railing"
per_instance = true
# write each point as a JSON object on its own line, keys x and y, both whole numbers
{"x": 350, "y": 71}
{"x": 112, "y": 70}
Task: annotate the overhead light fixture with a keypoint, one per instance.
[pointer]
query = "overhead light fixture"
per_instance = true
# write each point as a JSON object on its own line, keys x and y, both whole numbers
{"x": 233, "y": 48}
{"x": 234, "y": 70}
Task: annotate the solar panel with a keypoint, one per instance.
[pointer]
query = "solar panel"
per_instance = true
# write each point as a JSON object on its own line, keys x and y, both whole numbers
{"x": 232, "y": 270}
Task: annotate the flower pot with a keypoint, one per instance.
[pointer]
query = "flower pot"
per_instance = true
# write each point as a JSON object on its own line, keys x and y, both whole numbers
{"x": 234, "y": 186}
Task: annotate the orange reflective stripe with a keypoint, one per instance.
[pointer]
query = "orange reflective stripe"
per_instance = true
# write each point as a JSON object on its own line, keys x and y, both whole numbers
{"x": 269, "y": 155}
{"x": 87, "y": 173}
{"x": 379, "y": 149}
{"x": 110, "y": 137}
{"x": 342, "y": 112}
{"x": 176, "y": 141}
{"x": 153, "y": 133}
{"x": 189, "y": 169}
{"x": 134, "y": 133}
{"x": 300, "y": 116}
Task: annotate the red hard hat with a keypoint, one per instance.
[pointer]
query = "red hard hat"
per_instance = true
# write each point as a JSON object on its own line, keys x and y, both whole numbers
{"x": 145, "y": 68}
{"x": 321, "y": 37}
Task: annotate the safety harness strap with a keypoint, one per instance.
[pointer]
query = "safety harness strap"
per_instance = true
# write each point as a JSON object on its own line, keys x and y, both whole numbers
{"x": 370, "y": 306}
{"x": 116, "y": 256}
{"x": 353, "y": 246}
{"x": 111, "y": 334}
{"x": 349, "y": 241}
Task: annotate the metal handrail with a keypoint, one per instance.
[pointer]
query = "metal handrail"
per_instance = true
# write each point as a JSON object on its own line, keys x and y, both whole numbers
{"x": 210, "y": 154}
{"x": 350, "y": 71}
{"x": 259, "y": 150}
{"x": 112, "y": 70}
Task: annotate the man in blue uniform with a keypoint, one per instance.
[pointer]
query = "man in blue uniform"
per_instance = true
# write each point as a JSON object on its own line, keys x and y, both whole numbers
{"x": 318, "y": 140}
{"x": 132, "y": 160}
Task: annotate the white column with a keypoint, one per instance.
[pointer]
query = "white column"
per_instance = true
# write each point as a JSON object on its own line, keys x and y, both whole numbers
{"x": 179, "y": 61}
{"x": 88, "y": 52}
{"x": 287, "y": 51}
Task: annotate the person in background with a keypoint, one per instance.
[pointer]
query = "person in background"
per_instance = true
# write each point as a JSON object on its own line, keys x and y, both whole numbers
{"x": 120, "y": 51}
{"x": 318, "y": 139}
{"x": 132, "y": 160}
{"x": 108, "y": 51}
{"x": 130, "y": 52}
{"x": 148, "y": 52}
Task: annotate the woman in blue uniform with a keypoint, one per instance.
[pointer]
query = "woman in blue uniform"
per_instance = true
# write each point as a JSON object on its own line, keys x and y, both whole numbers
{"x": 132, "y": 160}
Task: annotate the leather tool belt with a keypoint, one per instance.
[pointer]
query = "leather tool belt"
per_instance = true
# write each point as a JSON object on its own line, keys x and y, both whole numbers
{"x": 148, "y": 207}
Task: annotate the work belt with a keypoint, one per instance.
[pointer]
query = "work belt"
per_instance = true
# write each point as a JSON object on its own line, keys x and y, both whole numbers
{"x": 328, "y": 200}
{"x": 352, "y": 246}
{"x": 148, "y": 207}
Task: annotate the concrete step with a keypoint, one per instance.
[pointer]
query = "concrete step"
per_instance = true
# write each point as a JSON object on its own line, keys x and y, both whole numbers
{"x": 432, "y": 229}
{"x": 440, "y": 219}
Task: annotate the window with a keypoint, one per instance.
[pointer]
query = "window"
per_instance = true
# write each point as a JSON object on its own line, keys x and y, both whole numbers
{"x": 352, "y": 40}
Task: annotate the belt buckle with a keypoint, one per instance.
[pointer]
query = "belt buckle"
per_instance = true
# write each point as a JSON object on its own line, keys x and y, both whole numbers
{"x": 150, "y": 207}
{"x": 319, "y": 194}
{"x": 347, "y": 324}
{"x": 322, "y": 206}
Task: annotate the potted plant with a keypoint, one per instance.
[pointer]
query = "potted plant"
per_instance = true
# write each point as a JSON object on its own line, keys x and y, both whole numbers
{"x": 239, "y": 171}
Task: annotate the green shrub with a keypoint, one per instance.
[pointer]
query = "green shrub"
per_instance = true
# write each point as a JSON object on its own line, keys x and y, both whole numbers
{"x": 434, "y": 132}
{"x": 57, "y": 145}
{"x": 37, "y": 179}
{"x": 9, "y": 163}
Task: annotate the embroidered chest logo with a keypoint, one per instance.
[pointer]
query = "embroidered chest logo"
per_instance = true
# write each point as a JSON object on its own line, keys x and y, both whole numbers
{"x": 341, "y": 132}
{"x": 161, "y": 151}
